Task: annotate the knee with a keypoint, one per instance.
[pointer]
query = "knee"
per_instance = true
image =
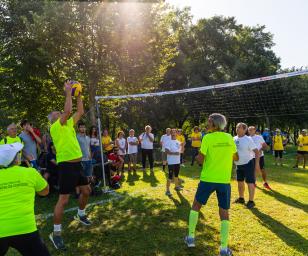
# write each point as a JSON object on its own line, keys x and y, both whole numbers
{"x": 196, "y": 206}
{"x": 63, "y": 201}
{"x": 86, "y": 191}
{"x": 223, "y": 214}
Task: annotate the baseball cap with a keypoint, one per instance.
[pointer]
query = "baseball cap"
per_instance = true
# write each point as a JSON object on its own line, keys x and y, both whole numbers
{"x": 304, "y": 130}
{"x": 277, "y": 130}
{"x": 8, "y": 153}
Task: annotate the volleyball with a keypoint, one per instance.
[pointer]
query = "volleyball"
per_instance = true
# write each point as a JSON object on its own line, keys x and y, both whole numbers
{"x": 76, "y": 88}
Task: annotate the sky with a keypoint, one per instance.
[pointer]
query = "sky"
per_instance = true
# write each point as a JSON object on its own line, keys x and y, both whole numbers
{"x": 286, "y": 19}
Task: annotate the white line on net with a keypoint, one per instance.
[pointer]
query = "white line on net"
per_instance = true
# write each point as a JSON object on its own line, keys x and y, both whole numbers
{"x": 209, "y": 87}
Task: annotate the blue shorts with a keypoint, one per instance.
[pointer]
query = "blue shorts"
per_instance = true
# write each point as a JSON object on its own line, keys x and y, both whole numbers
{"x": 246, "y": 172}
{"x": 223, "y": 193}
{"x": 87, "y": 168}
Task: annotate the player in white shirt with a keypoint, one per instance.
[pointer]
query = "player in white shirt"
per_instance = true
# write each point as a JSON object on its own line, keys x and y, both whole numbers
{"x": 132, "y": 150}
{"x": 163, "y": 140}
{"x": 120, "y": 143}
{"x": 261, "y": 145}
{"x": 245, "y": 170}
{"x": 146, "y": 140}
{"x": 173, "y": 149}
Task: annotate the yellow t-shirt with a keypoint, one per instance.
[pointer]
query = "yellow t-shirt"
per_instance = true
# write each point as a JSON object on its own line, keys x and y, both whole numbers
{"x": 17, "y": 193}
{"x": 180, "y": 138}
{"x": 278, "y": 142}
{"x": 197, "y": 142}
{"x": 304, "y": 141}
{"x": 218, "y": 149}
{"x": 106, "y": 140}
{"x": 65, "y": 141}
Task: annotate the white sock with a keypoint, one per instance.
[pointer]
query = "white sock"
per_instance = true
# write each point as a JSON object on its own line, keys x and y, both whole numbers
{"x": 57, "y": 228}
{"x": 81, "y": 212}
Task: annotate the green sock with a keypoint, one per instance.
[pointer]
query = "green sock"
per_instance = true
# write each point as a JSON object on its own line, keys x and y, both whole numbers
{"x": 224, "y": 233}
{"x": 193, "y": 219}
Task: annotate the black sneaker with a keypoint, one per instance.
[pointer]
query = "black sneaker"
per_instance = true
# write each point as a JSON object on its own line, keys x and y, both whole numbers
{"x": 83, "y": 219}
{"x": 250, "y": 204}
{"x": 57, "y": 241}
{"x": 240, "y": 200}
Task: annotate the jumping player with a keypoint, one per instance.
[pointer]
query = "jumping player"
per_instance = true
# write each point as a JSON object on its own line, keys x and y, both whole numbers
{"x": 68, "y": 156}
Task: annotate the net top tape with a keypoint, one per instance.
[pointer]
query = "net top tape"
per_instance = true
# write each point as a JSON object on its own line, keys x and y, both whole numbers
{"x": 209, "y": 87}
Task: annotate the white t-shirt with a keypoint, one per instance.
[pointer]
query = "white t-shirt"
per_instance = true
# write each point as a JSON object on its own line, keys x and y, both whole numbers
{"x": 258, "y": 140}
{"x": 173, "y": 146}
{"x": 164, "y": 139}
{"x": 132, "y": 149}
{"x": 145, "y": 141}
{"x": 245, "y": 147}
{"x": 122, "y": 144}
{"x": 94, "y": 141}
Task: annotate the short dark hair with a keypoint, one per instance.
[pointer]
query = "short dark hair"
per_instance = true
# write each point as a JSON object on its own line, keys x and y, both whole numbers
{"x": 81, "y": 123}
{"x": 24, "y": 122}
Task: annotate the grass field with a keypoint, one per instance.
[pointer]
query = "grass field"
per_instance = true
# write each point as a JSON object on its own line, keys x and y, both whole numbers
{"x": 140, "y": 220}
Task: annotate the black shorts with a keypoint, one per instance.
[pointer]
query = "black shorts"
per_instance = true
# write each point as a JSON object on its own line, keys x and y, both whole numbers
{"x": 302, "y": 152}
{"x": 174, "y": 169}
{"x": 278, "y": 153}
{"x": 246, "y": 172}
{"x": 261, "y": 162}
{"x": 28, "y": 244}
{"x": 71, "y": 175}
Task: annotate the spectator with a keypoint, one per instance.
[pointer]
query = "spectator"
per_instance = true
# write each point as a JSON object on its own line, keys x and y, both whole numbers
{"x": 116, "y": 160}
{"x": 302, "y": 149}
{"x": 12, "y": 135}
{"x": 51, "y": 172}
{"x": 278, "y": 146}
{"x": 146, "y": 140}
{"x": 29, "y": 152}
{"x": 173, "y": 151}
{"x": 107, "y": 142}
{"x": 195, "y": 143}
{"x": 180, "y": 137}
{"x": 132, "y": 150}
{"x": 163, "y": 141}
{"x": 246, "y": 168}
{"x": 84, "y": 143}
{"x": 94, "y": 143}
{"x": 17, "y": 220}
{"x": 120, "y": 143}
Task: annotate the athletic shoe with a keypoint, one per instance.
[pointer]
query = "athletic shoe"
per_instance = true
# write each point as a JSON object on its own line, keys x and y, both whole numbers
{"x": 168, "y": 193}
{"x": 250, "y": 204}
{"x": 57, "y": 241}
{"x": 183, "y": 165}
{"x": 178, "y": 188}
{"x": 265, "y": 185}
{"x": 240, "y": 200}
{"x": 189, "y": 241}
{"x": 83, "y": 219}
{"x": 225, "y": 252}
{"x": 181, "y": 181}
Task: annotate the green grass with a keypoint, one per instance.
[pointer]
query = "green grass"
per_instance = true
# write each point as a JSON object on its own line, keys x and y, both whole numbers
{"x": 146, "y": 222}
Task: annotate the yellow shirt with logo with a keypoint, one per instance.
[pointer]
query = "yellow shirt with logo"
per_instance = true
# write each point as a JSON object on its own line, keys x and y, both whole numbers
{"x": 65, "y": 141}
{"x": 17, "y": 193}
{"x": 196, "y": 139}
{"x": 106, "y": 140}
{"x": 304, "y": 141}
{"x": 180, "y": 138}
{"x": 278, "y": 142}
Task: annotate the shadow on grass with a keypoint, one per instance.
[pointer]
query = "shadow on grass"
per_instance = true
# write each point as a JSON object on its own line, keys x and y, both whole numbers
{"x": 287, "y": 235}
{"x": 286, "y": 199}
{"x": 150, "y": 178}
{"x": 135, "y": 226}
{"x": 132, "y": 177}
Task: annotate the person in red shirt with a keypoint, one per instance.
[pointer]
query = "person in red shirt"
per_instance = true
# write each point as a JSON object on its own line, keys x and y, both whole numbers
{"x": 117, "y": 161}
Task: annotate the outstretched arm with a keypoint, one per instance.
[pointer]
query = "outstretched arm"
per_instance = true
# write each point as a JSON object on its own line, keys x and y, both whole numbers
{"x": 80, "y": 109}
{"x": 68, "y": 103}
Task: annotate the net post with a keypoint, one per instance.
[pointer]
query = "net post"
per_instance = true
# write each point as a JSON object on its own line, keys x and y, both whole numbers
{"x": 99, "y": 124}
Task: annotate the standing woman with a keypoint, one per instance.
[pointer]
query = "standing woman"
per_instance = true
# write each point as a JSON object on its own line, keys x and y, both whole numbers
{"x": 196, "y": 137}
{"x": 94, "y": 144}
{"x": 121, "y": 144}
{"x": 146, "y": 140}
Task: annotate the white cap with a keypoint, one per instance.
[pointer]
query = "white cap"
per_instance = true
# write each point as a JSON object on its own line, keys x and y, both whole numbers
{"x": 8, "y": 153}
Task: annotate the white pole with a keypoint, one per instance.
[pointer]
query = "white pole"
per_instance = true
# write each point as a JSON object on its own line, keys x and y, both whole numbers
{"x": 99, "y": 124}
